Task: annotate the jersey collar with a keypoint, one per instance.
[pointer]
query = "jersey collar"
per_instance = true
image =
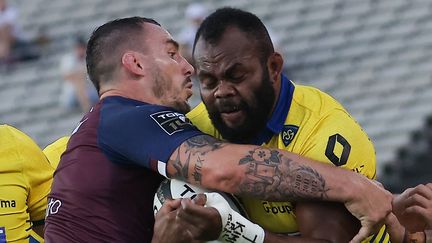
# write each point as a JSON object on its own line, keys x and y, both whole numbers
{"x": 277, "y": 120}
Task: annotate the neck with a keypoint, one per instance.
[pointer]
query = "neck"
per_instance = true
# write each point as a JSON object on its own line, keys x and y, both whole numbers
{"x": 132, "y": 91}
{"x": 277, "y": 89}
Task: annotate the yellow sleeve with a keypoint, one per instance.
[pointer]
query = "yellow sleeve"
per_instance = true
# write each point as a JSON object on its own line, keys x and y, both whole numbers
{"x": 338, "y": 139}
{"x": 37, "y": 173}
{"x": 200, "y": 118}
{"x": 25, "y": 180}
{"x": 54, "y": 151}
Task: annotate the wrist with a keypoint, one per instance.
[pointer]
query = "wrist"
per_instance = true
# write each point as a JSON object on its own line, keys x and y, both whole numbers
{"x": 347, "y": 187}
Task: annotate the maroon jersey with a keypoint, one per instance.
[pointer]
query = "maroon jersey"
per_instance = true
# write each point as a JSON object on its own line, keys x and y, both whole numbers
{"x": 104, "y": 185}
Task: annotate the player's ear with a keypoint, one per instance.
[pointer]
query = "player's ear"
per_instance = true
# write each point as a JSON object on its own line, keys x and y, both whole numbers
{"x": 133, "y": 63}
{"x": 274, "y": 66}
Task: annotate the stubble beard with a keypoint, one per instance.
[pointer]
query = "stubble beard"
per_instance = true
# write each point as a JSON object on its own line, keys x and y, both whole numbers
{"x": 162, "y": 84}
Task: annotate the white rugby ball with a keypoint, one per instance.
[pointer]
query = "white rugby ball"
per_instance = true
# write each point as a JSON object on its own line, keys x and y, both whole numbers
{"x": 172, "y": 189}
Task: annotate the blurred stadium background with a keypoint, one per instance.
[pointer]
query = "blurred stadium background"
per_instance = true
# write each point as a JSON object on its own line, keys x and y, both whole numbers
{"x": 374, "y": 56}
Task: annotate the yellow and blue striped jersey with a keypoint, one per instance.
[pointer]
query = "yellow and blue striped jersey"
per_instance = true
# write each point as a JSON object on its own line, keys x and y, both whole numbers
{"x": 25, "y": 181}
{"x": 308, "y": 122}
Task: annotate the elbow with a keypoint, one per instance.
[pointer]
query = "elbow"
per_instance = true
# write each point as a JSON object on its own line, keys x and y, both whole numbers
{"x": 222, "y": 179}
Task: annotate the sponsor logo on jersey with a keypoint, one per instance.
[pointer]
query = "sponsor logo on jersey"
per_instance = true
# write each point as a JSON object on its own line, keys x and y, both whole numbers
{"x": 7, "y": 204}
{"x": 53, "y": 207}
{"x": 171, "y": 121}
{"x": 288, "y": 133}
{"x": 358, "y": 169}
{"x": 285, "y": 208}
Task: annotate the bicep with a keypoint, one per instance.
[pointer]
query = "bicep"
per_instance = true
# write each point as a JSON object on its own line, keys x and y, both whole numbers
{"x": 326, "y": 220}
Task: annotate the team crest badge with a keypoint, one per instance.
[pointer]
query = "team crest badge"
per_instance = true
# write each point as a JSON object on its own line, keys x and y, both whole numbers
{"x": 288, "y": 134}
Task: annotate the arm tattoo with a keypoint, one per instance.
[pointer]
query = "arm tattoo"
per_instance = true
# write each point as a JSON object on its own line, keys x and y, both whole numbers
{"x": 197, "y": 170}
{"x": 203, "y": 144}
{"x": 181, "y": 170}
{"x": 200, "y": 145}
{"x": 270, "y": 175}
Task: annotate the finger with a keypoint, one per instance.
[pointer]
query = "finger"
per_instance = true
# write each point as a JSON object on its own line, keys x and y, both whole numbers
{"x": 188, "y": 229}
{"x": 363, "y": 233}
{"x": 417, "y": 199}
{"x": 199, "y": 225}
{"x": 200, "y": 199}
{"x": 195, "y": 214}
{"x": 423, "y": 190}
{"x": 170, "y": 205}
{"x": 407, "y": 192}
{"x": 190, "y": 209}
{"x": 421, "y": 211}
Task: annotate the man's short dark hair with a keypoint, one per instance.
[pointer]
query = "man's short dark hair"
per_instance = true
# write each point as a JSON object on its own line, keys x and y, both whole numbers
{"x": 106, "y": 41}
{"x": 215, "y": 25}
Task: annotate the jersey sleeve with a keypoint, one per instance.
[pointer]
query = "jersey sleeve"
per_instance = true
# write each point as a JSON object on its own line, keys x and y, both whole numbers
{"x": 200, "y": 118}
{"x": 144, "y": 136}
{"x": 338, "y": 139}
{"x": 38, "y": 173}
{"x": 54, "y": 151}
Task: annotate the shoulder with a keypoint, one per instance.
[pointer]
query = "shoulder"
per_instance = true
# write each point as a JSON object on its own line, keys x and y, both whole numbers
{"x": 315, "y": 99}
{"x": 13, "y": 138}
{"x": 198, "y": 112}
{"x": 20, "y": 149}
{"x": 119, "y": 111}
{"x": 200, "y": 118}
{"x": 54, "y": 150}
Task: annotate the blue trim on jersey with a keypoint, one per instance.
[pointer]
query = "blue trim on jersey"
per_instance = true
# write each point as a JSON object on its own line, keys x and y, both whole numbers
{"x": 2, "y": 235}
{"x": 280, "y": 113}
{"x": 382, "y": 237}
{"x": 33, "y": 240}
{"x": 384, "y": 234}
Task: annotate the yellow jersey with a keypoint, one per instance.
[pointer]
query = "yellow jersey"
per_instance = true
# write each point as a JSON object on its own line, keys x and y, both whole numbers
{"x": 54, "y": 150}
{"x": 308, "y": 122}
{"x": 25, "y": 181}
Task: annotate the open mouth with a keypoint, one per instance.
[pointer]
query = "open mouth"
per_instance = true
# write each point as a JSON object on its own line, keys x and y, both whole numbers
{"x": 232, "y": 114}
{"x": 230, "y": 109}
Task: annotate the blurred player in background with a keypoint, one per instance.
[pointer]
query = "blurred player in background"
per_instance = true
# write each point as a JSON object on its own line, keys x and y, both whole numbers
{"x": 137, "y": 129}
{"x": 25, "y": 181}
{"x": 77, "y": 91}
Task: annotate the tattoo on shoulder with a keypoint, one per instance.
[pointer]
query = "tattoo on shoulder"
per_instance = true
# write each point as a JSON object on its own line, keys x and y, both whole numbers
{"x": 271, "y": 175}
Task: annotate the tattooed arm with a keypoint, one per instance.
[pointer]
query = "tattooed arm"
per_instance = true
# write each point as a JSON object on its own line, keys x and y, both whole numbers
{"x": 277, "y": 175}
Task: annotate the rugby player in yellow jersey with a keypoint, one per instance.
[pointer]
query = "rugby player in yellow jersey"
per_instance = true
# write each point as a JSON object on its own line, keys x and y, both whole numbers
{"x": 250, "y": 101}
{"x": 25, "y": 181}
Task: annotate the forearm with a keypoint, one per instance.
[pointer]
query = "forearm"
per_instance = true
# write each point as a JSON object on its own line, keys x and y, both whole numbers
{"x": 260, "y": 172}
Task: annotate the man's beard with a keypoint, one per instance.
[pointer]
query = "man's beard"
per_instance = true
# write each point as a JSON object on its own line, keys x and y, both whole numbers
{"x": 161, "y": 84}
{"x": 182, "y": 107}
{"x": 257, "y": 114}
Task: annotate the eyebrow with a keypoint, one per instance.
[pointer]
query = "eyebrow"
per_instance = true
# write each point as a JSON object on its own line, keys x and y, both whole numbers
{"x": 232, "y": 68}
{"x": 173, "y": 42}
